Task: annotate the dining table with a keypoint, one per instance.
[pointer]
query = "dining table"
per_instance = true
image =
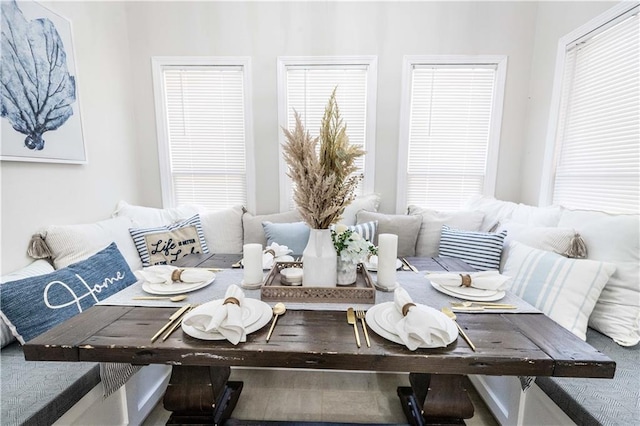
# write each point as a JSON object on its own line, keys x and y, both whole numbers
{"x": 514, "y": 342}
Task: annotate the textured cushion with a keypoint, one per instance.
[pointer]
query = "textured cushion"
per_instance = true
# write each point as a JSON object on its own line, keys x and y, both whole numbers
{"x": 33, "y": 305}
{"x": 600, "y": 401}
{"x": 428, "y": 244}
{"x": 616, "y": 239}
{"x": 166, "y": 244}
{"x": 223, "y": 230}
{"x": 293, "y": 235}
{"x": 482, "y": 250}
{"x": 149, "y": 217}
{"x": 564, "y": 289}
{"x": 39, "y": 267}
{"x": 252, "y": 225}
{"x": 71, "y": 243}
{"x": 404, "y": 226}
{"x": 369, "y": 202}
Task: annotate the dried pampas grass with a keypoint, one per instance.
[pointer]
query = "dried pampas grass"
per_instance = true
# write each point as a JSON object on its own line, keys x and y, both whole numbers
{"x": 324, "y": 184}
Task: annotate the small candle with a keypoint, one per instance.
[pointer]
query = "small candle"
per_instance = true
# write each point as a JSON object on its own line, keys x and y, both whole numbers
{"x": 387, "y": 257}
{"x": 252, "y": 263}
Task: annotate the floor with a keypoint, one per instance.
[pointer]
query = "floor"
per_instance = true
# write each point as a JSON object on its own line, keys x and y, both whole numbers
{"x": 332, "y": 396}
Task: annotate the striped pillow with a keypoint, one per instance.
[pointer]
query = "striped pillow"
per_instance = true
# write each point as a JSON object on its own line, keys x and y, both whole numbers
{"x": 482, "y": 250}
{"x": 564, "y": 289}
{"x": 166, "y": 244}
{"x": 366, "y": 230}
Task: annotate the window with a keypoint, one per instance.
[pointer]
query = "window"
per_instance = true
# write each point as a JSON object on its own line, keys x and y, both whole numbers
{"x": 305, "y": 84}
{"x": 205, "y": 141}
{"x": 593, "y": 145}
{"x": 449, "y": 129}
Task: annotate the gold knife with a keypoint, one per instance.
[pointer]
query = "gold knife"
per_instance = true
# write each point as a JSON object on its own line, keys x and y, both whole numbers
{"x": 172, "y": 318}
{"x": 351, "y": 319}
{"x": 413, "y": 268}
{"x": 178, "y": 323}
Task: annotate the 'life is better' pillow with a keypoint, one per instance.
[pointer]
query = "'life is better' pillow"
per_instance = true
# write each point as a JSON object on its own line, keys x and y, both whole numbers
{"x": 33, "y": 305}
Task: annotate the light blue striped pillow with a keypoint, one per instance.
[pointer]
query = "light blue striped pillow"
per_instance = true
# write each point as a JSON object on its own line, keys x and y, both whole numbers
{"x": 366, "y": 230}
{"x": 564, "y": 289}
{"x": 482, "y": 250}
{"x": 166, "y": 244}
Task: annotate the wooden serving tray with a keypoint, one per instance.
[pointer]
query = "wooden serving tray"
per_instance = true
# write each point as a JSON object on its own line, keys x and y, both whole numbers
{"x": 362, "y": 291}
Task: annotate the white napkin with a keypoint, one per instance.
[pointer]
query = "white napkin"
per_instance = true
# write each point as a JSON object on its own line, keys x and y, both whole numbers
{"x": 281, "y": 253}
{"x": 485, "y": 280}
{"x": 162, "y": 274}
{"x": 420, "y": 326}
{"x": 225, "y": 319}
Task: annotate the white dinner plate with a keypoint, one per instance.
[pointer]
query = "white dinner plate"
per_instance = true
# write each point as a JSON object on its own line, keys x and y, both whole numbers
{"x": 255, "y": 315}
{"x": 382, "y": 317}
{"x": 175, "y": 288}
{"x": 469, "y": 293}
{"x": 374, "y": 267}
{"x": 268, "y": 265}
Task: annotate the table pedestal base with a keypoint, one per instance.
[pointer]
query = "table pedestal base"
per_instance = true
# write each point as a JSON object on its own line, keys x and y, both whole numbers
{"x": 200, "y": 395}
{"x": 436, "y": 399}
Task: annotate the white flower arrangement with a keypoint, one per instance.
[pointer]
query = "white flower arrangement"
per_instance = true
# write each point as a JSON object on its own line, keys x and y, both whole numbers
{"x": 350, "y": 245}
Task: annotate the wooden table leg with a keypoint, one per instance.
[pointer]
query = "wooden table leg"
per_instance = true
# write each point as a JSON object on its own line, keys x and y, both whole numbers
{"x": 200, "y": 395}
{"x": 436, "y": 399}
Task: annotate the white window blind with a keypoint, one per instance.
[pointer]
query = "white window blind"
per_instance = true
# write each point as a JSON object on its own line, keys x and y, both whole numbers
{"x": 598, "y": 134}
{"x": 307, "y": 88}
{"x": 449, "y": 129}
{"x": 205, "y": 118}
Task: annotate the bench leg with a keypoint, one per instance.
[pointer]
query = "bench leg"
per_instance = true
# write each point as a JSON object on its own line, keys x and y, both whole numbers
{"x": 200, "y": 395}
{"x": 436, "y": 399}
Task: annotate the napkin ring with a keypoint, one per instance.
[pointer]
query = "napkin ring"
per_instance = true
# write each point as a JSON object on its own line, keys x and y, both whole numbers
{"x": 176, "y": 274}
{"x": 406, "y": 307}
{"x": 231, "y": 300}
{"x": 273, "y": 253}
{"x": 466, "y": 280}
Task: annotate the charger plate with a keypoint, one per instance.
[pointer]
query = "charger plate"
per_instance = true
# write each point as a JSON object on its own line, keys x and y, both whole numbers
{"x": 255, "y": 315}
{"x": 175, "y": 288}
{"x": 381, "y": 319}
{"x": 374, "y": 267}
{"x": 469, "y": 293}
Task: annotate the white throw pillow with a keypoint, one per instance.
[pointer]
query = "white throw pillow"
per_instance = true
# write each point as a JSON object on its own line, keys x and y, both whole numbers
{"x": 223, "y": 230}
{"x": 537, "y": 216}
{"x": 616, "y": 239}
{"x": 72, "y": 243}
{"x": 35, "y": 268}
{"x": 252, "y": 225}
{"x": 564, "y": 289}
{"x": 557, "y": 240}
{"x": 495, "y": 211}
{"x": 369, "y": 202}
{"x": 428, "y": 244}
{"x": 150, "y": 217}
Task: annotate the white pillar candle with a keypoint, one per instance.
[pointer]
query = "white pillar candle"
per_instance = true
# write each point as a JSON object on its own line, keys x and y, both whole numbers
{"x": 387, "y": 258}
{"x": 252, "y": 263}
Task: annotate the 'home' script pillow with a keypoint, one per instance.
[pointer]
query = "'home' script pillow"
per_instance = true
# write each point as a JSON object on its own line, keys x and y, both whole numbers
{"x": 33, "y": 305}
{"x": 166, "y": 244}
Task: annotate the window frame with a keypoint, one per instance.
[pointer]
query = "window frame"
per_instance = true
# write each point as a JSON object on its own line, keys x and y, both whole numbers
{"x": 493, "y": 145}
{"x": 599, "y": 23}
{"x": 158, "y": 64}
{"x": 369, "y": 61}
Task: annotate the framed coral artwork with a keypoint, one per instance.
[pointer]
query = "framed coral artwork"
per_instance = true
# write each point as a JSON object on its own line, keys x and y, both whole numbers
{"x": 40, "y": 112}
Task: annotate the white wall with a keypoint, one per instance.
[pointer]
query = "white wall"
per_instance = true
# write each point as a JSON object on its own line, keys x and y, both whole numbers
{"x": 39, "y": 194}
{"x": 555, "y": 19}
{"x": 114, "y": 43}
{"x": 265, "y": 31}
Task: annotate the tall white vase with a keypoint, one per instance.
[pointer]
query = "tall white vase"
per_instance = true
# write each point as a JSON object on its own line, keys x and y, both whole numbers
{"x": 319, "y": 260}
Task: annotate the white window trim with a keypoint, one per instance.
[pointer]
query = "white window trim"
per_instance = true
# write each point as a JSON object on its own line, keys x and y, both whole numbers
{"x": 369, "y": 159}
{"x": 549, "y": 162}
{"x": 157, "y": 65}
{"x": 409, "y": 61}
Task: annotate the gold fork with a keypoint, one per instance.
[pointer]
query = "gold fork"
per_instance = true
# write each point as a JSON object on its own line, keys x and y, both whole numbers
{"x": 361, "y": 315}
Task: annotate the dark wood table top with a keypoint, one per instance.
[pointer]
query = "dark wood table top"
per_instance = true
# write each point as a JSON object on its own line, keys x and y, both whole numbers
{"x": 507, "y": 344}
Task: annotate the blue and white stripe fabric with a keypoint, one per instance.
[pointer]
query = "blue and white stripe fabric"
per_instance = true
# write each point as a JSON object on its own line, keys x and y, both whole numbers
{"x": 481, "y": 250}
{"x": 564, "y": 289}
{"x": 366, "y": 230}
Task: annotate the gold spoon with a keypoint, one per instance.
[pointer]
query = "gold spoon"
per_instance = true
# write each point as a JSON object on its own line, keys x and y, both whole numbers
{"x": 278, "y": 309}
{"x": 172, "y": 298}
{"x": 448, "y": 312}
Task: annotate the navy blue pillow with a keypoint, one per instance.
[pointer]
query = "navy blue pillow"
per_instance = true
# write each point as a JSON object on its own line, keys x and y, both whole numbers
{"x": 33, "y": 305}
